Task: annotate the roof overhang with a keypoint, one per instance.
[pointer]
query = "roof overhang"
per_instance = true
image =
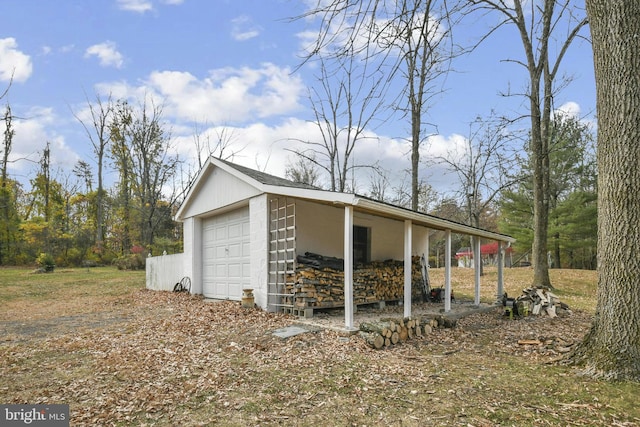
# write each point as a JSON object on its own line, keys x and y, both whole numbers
{"x": 359, "y": 203}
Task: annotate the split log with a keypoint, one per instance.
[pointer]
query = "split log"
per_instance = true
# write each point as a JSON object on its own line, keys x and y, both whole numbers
{"x": 381, "y": 328}
{"x": 404, "y": 333}
{"x": 373, "y": 339}
{"x": 373, "y": 282}
{"x": 392, "y": 326}
{"x": 395, "y": 337}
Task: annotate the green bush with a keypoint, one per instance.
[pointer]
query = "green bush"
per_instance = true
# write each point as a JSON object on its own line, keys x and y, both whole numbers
{"x": 46, "y": 261}
{"x": 130, "y": 262}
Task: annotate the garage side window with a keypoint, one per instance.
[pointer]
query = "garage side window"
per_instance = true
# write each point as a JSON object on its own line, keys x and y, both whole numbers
{"x": 361, "y": 244}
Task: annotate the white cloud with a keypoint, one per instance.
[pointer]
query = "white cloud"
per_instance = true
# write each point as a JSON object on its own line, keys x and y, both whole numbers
{"x": 255, "y": 106}
{"x": 226, "y": 96}
{"x": 142, "y": 6}
{"x": 244, "y": 29}
{"x": 570, "y": 109}
{"x": 108, "y": 54}
{"x": 139, "y": 6}
{"x": 269, "y": 148}
{"x": 13, "y": 62}
{"x": 31, "y": 135}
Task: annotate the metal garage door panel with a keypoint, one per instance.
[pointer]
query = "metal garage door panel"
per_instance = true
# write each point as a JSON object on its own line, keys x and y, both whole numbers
{"x": 226, "y": 255}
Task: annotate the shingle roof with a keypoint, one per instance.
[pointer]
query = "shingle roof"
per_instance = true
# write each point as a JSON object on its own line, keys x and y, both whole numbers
{"x": 267, "y": 179}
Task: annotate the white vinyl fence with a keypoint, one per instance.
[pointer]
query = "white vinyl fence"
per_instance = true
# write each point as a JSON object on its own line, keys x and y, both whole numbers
{"x": 164, "y": 271}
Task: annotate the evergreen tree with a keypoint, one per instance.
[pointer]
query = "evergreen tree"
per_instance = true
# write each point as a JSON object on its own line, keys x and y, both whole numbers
{"x": 572, "y": 197}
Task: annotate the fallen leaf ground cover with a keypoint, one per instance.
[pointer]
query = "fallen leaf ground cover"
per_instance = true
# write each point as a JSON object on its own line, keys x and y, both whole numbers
{"x": 121, "y": 355}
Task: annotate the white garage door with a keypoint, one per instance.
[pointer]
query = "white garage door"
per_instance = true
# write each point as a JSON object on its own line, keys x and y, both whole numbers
{"x": 226, "y": 260}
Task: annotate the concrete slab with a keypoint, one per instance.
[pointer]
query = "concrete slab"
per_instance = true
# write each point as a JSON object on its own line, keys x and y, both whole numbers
{"x": 290, "y": 331}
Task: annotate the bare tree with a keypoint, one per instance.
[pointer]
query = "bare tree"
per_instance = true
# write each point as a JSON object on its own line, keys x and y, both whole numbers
{"x": 9, "y": 132}
{"x": 152, "y": 165}
{"x": 223, "y": 145}
{"x": 302, "y": 171}
{"x": 98, "y": 132}
{"x": 422, "y": 37}
{"x": 411, "y": 38}
{"x": 209, "y": 141}
{"x": 399, "y": 193}
{"x": 538, "y": 27}
{"x": 344, "y": 107}
{"x": 483, "y": 167}
{"x": 5, "y": 199}
{"x": 611, "y": 349}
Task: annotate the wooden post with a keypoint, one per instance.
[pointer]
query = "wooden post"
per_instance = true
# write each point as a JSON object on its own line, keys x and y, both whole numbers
{"x": 447, "y": 272}
{"x": 500, "y": 277}
{"x": 407, "y": 267}
{"x": 426, "y": 247}
{"x": 477, "y": 265}
{"x": 348, "y": 267}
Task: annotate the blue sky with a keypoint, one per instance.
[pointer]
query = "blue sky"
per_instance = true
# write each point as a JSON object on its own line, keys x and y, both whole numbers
{"x": 226, "y": 63}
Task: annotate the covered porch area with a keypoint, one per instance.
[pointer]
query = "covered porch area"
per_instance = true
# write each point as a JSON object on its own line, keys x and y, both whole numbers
{"x": 412, "y": 221}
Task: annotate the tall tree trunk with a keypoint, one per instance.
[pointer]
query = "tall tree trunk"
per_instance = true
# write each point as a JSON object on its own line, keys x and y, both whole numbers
{"x": 540, "y": 155}
{"x": 612, "y": 347}
{"x": 4, "y": 188}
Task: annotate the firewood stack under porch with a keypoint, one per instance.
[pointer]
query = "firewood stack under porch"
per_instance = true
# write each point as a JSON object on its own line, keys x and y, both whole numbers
{"x": 318, "y": 283}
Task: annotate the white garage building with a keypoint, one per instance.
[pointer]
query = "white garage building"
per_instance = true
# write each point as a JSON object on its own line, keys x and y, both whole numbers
{"x": 243, "y": 229}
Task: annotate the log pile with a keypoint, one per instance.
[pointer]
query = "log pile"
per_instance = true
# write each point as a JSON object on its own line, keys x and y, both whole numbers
{"x": 539, "y": 301}
{"x": 318, "y": 282}
{"x": 385, "y": 333}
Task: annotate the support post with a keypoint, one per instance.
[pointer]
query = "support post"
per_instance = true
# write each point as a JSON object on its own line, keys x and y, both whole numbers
{"x": 407, "y": 267}
{"x": 447, "y": 272}
{"x": 426, "y": 257}
{"x": 348, "y": 267}
{"x": 500, "y": 291}
{"x": 477, "y": 261}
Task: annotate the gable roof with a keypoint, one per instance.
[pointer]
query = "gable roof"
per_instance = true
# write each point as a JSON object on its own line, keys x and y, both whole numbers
{"x": 266, "y": 179}
{"x": 266, "y": 183}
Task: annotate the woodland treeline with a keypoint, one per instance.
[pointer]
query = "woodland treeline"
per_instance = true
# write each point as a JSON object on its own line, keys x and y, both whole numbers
{"x": 74, "y": 218}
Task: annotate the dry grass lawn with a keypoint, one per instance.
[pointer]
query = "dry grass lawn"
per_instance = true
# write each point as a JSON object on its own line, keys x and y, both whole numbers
{"x": 120, "y": 355}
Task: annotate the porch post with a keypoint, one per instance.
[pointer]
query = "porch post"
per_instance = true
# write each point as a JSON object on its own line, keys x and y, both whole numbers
{"x": 447, "y": 272}
{"x": 500, "y": 276}
{"x": 426, "y": 257}
{"x": 477, "y": 260}
{"x": 348, "y": 267}
{"x": 426, "y": 247}
{"x": 407, "y": 267}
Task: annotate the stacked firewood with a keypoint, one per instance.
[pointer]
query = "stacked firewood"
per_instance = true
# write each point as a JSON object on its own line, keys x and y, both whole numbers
{"x": 319, "y": 282}
{"x": 385, "y": 333}
{"x": 539, "y": 301}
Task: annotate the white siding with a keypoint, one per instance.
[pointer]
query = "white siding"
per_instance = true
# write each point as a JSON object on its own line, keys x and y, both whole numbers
{"x": 192, "y": 262}
{"x": 320, "y": 230}
{"x": 218, "y": 189}
{"x": 259, "y": 232}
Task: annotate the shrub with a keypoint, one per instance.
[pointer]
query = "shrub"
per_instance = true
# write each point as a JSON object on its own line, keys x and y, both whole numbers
{"x": 130, "y": 262}
{"x": 46, "y": 262}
